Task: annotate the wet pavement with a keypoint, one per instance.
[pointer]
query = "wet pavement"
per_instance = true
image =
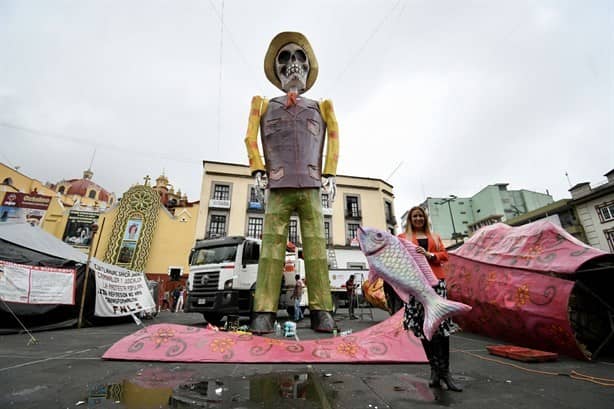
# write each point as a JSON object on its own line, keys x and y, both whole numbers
{"x": 64, "y": 370}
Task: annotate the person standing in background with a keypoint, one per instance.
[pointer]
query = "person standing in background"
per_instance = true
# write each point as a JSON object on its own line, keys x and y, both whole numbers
{"x": 296, "y": 296}
{"x": 350, "y": 288}
{"x": 180, "y": 295}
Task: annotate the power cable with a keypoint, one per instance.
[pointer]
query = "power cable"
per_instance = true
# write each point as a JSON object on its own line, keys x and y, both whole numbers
{"x": 219, "y": 93}
{"x": 230, "y": 36}
{"x": 360, "y": 49}
{"x": 97, "y": 144}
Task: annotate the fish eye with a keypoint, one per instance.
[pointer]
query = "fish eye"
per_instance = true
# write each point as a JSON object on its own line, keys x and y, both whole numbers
{"x": 379, "y": 236}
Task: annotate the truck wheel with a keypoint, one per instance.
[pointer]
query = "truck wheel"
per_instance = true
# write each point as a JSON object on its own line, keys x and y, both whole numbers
{"x": 213, "y": 318}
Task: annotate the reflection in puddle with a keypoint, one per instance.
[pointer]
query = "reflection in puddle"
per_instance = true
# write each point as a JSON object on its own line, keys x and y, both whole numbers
{"x": 160, "y": 390}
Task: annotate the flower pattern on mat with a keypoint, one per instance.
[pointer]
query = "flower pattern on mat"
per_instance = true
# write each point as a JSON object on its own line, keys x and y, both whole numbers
{"x": 162, "y": 336}
{"x": 348, "y": 348}
{"x": 222, "y": 345}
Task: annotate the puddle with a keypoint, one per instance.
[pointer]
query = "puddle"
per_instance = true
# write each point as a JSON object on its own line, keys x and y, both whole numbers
{"x": 160, "y": 389}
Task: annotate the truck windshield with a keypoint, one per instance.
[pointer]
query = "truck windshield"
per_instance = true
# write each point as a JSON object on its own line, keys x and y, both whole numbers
{"x": 214, "y": 255}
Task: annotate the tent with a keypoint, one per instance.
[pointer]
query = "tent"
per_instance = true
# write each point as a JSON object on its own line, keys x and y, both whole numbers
{"x": 536, "y": 286}
{"x": 25, "y": 244}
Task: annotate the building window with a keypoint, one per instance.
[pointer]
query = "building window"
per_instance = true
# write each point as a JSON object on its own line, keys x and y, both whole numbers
{"x": 92, "y": 194}
{"x": 293, "y": 231}
{"x": 605, "y": 211}
{"x": 609, "y": 236}
{"x": 352, "y": 232}
{"x": 217, "y": 226}
{"x": 325, "y": 201}
{"x": 7, "y": 181}
{"x": 254, "y": 227}
{"x": 388, "y": 212}
{"x": 221, "y": 192}
{"x": 351, "y": 206}
{"x": 327, "y": 231}
{"x": 61, "y": 189}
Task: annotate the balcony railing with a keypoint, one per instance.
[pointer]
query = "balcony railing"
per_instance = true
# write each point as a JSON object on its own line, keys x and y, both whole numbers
{"x": 255, "y": 206}
{"x": 219, "y": 203}
{"x": 215, "y": 235}
{"x": 327, "y": 211}
{"x": 353, "y": 214}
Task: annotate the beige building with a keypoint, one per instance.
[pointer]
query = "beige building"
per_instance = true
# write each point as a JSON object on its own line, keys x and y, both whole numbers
{"x": 595, "y": 208}
{"x": 231, "y": 207}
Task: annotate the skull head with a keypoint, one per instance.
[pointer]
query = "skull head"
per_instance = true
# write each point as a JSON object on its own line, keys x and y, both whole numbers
{"x": 292, "y": 67}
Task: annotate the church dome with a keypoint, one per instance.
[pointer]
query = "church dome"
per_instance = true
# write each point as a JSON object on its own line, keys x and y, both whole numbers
{"x": 84, "y": 187}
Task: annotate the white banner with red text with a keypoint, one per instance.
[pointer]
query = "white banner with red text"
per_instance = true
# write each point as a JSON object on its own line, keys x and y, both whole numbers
{"x": 26, "y": 284}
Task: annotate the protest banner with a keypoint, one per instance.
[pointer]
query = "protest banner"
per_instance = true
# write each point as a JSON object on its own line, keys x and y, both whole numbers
{"x": 26, "y": 284}
{"x": 120, "y": 291}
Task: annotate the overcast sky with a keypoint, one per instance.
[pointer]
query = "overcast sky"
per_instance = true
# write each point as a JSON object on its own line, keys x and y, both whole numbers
{"x": 435, "y": 97}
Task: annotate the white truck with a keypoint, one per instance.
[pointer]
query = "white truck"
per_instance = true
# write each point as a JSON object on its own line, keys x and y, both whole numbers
{"x": 223, "y": 273}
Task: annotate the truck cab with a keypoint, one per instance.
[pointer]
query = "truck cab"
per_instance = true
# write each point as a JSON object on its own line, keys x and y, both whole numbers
{"x": 222, "y": 277}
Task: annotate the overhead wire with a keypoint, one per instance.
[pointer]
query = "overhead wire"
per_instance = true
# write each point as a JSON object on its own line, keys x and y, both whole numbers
{"x": 97, "y": 143}
{"x": 219, "y": 94}
{"x": 370, "y": 37}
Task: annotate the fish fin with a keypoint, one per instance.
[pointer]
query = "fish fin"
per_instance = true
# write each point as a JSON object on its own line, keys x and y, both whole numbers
{"x": 438, "y": 310}
{"x": 421, "y": 261}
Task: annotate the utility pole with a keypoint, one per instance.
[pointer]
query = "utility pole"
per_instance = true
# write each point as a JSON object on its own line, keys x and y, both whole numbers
{"x": 448, "y": 200}
{"x": 87, "y": 272}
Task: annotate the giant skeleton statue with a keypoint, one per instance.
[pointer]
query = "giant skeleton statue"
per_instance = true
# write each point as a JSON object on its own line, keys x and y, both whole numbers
{"x": 293, "y": 130}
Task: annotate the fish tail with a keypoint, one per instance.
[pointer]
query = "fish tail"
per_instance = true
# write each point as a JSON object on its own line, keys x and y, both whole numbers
{"x": 437, "y": 311}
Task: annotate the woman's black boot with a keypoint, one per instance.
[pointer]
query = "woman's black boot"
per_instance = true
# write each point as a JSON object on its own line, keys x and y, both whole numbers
{"x": 443, "y": 349}
{"x": 434, "y": 381}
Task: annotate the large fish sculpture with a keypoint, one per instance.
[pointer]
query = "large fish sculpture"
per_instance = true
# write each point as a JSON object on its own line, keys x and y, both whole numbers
{"x": 398, "y": 263}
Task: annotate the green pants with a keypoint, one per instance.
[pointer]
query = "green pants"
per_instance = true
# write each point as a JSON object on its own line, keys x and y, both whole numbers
{"x": 308, "y": 204}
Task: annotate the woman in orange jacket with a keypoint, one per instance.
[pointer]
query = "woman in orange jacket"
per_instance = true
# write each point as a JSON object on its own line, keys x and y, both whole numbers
{"x": 438, "y": 348}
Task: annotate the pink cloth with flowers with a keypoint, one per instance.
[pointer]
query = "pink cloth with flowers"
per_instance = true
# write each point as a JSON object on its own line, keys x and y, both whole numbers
{"x": 383, "y": 342}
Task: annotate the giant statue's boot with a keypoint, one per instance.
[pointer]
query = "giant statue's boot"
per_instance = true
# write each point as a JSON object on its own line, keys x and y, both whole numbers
{"x": 434, "y": 381}
{"x": 322, "y": 321}
{"x": 443, "y": 352}
{"x": 263, "y": 322}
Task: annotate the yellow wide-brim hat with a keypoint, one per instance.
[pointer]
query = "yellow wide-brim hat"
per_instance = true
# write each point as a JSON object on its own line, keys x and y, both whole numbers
{"x": 277, "y": 43}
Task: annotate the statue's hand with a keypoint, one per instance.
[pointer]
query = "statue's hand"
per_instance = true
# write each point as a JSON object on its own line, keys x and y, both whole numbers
{"x": 330, "y": 186}
{"x": 261, "y": 181}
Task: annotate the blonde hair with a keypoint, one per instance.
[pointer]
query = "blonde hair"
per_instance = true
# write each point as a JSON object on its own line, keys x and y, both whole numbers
{"x": 427, "y": 224}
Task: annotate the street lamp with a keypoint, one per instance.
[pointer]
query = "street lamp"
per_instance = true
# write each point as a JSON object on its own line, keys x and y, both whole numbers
{"x": 448, "y": 200}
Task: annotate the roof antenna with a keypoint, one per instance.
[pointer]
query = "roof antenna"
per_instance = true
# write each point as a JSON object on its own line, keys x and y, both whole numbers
{"x": 568, "y": 181}
{"x": 92, "y": 161}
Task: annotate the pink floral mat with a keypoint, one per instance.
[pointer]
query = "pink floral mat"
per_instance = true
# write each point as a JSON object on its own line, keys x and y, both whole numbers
{"x": 383, "y": 342}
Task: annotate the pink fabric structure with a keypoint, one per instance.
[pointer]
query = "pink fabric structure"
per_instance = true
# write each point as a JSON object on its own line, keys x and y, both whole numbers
{"x": 540, "y": 246}
{"x": 519, "y": 281}
{"x": 386, "y": 341}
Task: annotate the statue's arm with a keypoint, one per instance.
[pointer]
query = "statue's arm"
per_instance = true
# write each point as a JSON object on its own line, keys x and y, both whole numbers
{"x": 258, "y": 106}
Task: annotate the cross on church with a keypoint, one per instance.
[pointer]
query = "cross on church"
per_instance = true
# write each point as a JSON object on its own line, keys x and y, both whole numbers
{"x": 147, "y": 179}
